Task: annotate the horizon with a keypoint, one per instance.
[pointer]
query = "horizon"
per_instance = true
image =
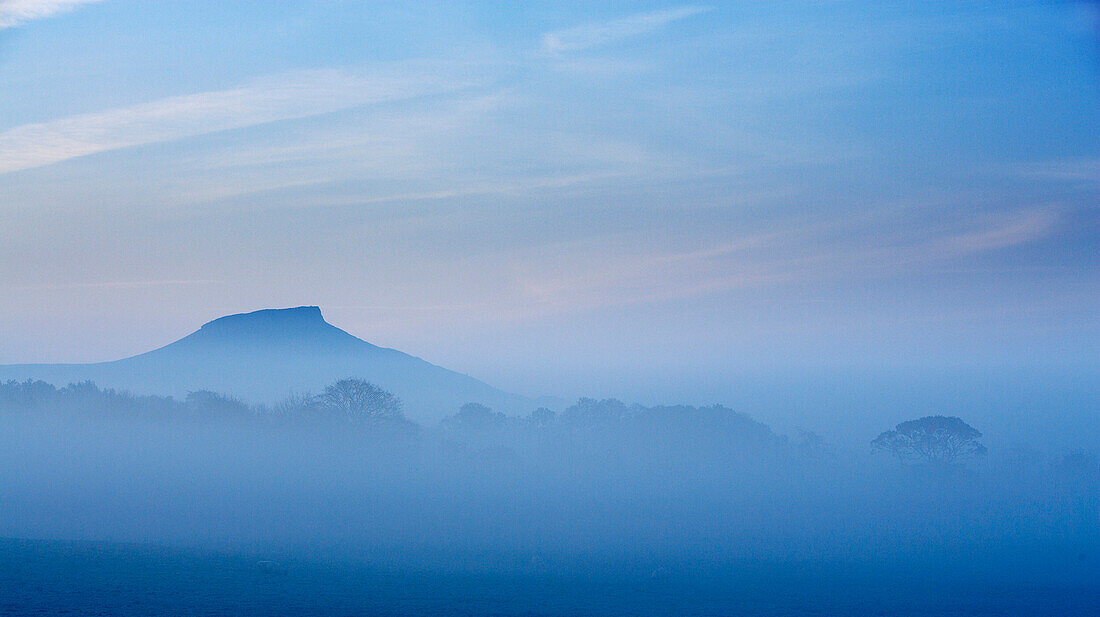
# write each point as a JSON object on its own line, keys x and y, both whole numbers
{"x": 1015, "y": 409}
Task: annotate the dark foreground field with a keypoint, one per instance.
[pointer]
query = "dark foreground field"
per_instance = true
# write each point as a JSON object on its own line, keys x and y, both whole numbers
{"x": 53, "y": 578}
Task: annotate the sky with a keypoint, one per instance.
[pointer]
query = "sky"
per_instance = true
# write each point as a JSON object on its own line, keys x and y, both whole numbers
{"x": 637, "y": 199}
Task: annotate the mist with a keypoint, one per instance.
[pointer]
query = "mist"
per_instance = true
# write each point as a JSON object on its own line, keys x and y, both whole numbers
{"x": 629, "y": 308}
{"x": 600, "y": 489}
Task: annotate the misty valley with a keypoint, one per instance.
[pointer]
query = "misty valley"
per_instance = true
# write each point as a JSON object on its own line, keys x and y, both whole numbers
{"x": 693, "y": 510}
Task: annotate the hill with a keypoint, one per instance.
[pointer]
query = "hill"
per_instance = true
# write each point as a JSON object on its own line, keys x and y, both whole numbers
{"x": 265, "y": 355}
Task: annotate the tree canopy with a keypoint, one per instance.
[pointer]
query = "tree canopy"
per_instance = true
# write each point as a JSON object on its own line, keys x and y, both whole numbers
{"x": 359, "y": 399}
{"x": 932, "y": 439}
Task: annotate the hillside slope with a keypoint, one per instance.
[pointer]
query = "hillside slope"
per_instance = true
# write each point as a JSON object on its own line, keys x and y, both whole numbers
{"x": 266, "y": 355}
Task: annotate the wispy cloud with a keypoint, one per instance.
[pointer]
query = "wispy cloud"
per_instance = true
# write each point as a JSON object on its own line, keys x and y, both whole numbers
{"x": 1084, "y": 171}
{"x": 810, "y": 253}
{"x": 286, "y": 96}
{"x": 17, "y": 12}
{"x": 1010, "y": 230}
{"x": 120, "y": 284}
{"x": 522, "y": 186}
{"x": 593, "y": 35}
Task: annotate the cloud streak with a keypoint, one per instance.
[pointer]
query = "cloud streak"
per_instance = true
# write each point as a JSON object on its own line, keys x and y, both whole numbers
{"x": 1083, "y": 171}
{"x": 17, "y": 12}
{"x": 771, "y": 258}
{"x": 119, "y": 284}
{"x": 596, "y": 34}
{"x": 287, "y": 96}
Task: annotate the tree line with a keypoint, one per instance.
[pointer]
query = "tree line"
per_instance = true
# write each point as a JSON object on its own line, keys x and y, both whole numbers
{"x": 939, "y": 441}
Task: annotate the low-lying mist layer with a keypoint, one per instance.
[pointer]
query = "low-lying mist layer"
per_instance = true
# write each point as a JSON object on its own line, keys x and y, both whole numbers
{"x": 650, "y": 489}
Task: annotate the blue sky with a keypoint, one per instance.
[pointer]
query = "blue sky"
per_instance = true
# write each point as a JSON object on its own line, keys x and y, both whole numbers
{"x": 559, "y": 197}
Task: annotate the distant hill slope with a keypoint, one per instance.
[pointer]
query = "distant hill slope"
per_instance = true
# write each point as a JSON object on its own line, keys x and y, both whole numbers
{"x": 265, "y": 355}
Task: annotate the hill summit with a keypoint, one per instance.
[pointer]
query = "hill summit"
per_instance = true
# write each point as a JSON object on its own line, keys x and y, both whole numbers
{"x": 265, "y": 355}
{"x": 296, "y": 330}
{"x": 301, "y": 319}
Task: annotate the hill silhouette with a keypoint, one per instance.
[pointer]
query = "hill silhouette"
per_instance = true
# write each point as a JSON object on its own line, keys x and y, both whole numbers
{"x": 266, "y": 355}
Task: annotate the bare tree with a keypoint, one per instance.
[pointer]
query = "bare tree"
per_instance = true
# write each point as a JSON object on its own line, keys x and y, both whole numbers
{"x": 358, "y": 399}
{"x": 295, "y": 405}
{"x": 932, "y": 439}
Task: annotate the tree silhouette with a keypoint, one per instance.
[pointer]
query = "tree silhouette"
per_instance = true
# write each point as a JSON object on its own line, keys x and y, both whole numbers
{"x": 215, "y": 404}
{"x": 475, "y": 416}
{"x": 358, "y": 399}
{"x": 932, "y": 439}
{"x": 542, "y": 418}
